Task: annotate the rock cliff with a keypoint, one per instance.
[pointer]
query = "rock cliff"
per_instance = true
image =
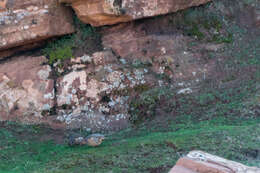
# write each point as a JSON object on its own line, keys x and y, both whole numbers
{"x": 25, "y": 23}
{"x": 108, "y": 12}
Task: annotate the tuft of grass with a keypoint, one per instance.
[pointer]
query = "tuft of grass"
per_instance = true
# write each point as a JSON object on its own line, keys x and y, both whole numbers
{"x": 67, "y": 46}
{"x": 60, "y": 49}
{"x": 143, "y": 107}
{"x": 195, "y": 31}
{"x": 218, "y": 38}
{"x": 131, "y": 150}
{"x": 204, "y": 25}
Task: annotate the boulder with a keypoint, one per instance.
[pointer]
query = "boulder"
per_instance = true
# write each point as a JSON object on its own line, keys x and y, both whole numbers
{"x": 26, "y": 22}
{"x": 201, "y": 162}
{"x": 108, "y": 12}
{"x": 26, "y": 91}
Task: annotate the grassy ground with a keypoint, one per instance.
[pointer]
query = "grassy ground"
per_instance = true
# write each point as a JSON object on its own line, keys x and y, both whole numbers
{"x": 131, "y": 150}
{"x": 221, "y": 118}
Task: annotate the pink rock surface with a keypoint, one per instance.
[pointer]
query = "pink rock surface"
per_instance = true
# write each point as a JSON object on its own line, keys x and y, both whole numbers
{"x": 108, "y": 12}
{"x": 201, "y": 162}
{"x": 90, "y": 94}
{"x": 26, "y": 90}
{"x": 165, "y": 53}
{"x": 26, "y": 22}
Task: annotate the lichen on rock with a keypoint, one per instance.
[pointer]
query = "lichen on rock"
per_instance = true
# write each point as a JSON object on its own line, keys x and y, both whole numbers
{"x": 109, "y": 12}
{"x": 93, "y": 93}
{"x": 25, "y": 89}
{"x": 23, "y": 23}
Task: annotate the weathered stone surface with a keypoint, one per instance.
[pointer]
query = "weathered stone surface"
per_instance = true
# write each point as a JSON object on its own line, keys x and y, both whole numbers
{"x": 258, "y": 19}
{"x": 25, "y": 89}
{"x": 25, "y": 22}
{"x": 201, "y": 162}
{"x": 96, "y": 95}
{"x": 3, "y": 5}
{"x": 166, "y": 53}
{"x": 15, "y": 50}
{"x": 108, "y": 12}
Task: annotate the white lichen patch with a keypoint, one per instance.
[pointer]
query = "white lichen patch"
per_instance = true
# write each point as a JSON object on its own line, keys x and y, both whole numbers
{"x": 71, "y": 77}
{"x": 99, "y": 101}
{"x": 113, "y": 7}
{"x": 185, "y": 91}
{"x": 163, "y": 50}
{"x": 44, "y": 73}
{"x": 123, "y": 61}
{"x": 26, "y": 97}
{"x": 149, "y": 9}
{"x": 48, "y": 96}
{"x": 115, "y": 80}
{"x": 161, "y": 69}
{"x": 94, "y": 88}
{"x": 66, "y": 97}
{"x": 86, "y": 58}
{"x": 46, "y": 107}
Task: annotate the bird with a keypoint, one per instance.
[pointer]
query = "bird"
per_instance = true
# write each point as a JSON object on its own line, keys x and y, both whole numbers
{"x": 91, "y": 140}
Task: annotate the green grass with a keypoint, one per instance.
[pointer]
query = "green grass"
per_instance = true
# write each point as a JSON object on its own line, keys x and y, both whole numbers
{"x": 67, "y": 46}
{"x": 60, "y": 49}
{"x": 132, "y": 151}
{"x": 204, "y": 24}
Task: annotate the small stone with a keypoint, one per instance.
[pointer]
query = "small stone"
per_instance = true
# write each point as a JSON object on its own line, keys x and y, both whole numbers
{"x": 185, "y": 91}
{"x": 91, "y": 140}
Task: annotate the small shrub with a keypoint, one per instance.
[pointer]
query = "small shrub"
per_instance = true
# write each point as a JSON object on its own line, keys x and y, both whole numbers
{"x": 60, "y": 49}
{"x": 203, "y": 25}
{"x": 85, "y": 39}
{"x": 222, "y": 38}
{"x": 144, "y": 106}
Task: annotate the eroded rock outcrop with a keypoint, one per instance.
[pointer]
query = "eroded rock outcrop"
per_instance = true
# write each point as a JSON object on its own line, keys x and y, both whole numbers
{"x": 258, "y": 19}
{"x": 26, "y": 91}
{"x": 201, "y": 162}
{"x": 25, "y": 22}
{"x": 95, "y": 93}
{"x": 108, "y": 12}
{"x": 162, "y": 51}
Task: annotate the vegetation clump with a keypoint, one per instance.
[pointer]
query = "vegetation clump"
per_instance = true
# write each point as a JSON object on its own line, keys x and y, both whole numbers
{"x": 144, "y": 106}
{"x": 85, "y": 39}
{"x": 60, "y": 49}
{"x": 203, "y": 25}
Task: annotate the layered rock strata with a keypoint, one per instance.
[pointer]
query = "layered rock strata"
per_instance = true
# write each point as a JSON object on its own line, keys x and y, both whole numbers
{"x": 108, "y": 12}
{"x": 24, "y": 23}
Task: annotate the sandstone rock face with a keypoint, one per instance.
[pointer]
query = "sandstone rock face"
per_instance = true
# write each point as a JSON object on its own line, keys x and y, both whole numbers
{"x": 201, "y": 162}
{"x": 258, "y": 19}
{"x": 25, "y": 89}
{"x": 165, "y": 53}
{"x": 26, "y": 22}
{"x": 95, "y": 93}
{"x": 108, "y": 12}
